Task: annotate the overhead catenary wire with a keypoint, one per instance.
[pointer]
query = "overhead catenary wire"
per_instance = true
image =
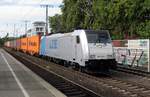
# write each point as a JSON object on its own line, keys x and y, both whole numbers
{"x": 25, "y": 16}
{"x": 32, "y": 9}
{"x": 28, "y": 14}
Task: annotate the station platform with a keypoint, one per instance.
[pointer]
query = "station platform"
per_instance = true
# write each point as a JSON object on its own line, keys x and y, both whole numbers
{"x": 16, "y": 80}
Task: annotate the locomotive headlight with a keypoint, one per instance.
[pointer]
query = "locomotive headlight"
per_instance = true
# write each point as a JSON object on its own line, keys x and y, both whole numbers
{"x": 92, "y": 56}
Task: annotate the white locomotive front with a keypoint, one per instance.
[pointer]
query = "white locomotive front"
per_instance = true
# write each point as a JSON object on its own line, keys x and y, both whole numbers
{"x": 88, "y": 49}
{"x": 100, "y": 50}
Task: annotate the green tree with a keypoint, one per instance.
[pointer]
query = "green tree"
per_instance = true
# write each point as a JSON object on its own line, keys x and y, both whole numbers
{"x": 56, "y": 23}
{"x": 122, "y": 17}
{"x": 2, "y": 40}
{"x": 144, "y": 29}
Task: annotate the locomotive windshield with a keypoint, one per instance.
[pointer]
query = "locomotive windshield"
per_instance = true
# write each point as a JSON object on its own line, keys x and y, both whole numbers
{"x": 97, "y": 36}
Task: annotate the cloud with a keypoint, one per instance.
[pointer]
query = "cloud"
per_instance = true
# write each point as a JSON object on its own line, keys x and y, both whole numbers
{"x": 16, "y": 11}
{"x": 30, "y": 2}
{"x": 27, "y": 8}
{"x": 8, "y": 2}
{"x": 27, "y": 12}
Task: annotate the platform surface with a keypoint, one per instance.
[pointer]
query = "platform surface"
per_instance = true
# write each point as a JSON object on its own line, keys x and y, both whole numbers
{"x": 16, "y": 80}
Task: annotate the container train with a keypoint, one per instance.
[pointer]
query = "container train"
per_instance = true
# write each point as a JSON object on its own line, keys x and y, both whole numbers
{"x": 82, "y": 49}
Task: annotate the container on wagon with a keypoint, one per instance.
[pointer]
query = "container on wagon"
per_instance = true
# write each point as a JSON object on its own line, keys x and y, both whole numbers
{"x": 24, "y": 46}
{"x": 34, "y": 45}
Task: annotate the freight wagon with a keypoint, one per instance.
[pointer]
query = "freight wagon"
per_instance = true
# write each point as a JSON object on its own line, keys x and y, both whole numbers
{"x": 34, "y": 45}
{"x": 7, "y": 44}
{"x": 24, "y": 45}
{"x": 18, "y": 44}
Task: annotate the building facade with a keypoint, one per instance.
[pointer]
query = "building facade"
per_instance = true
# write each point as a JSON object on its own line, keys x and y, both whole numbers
{"x": 38, "y": 28}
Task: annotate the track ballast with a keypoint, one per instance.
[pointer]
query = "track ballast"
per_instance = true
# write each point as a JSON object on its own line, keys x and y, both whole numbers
{"x": 106, "y": 86}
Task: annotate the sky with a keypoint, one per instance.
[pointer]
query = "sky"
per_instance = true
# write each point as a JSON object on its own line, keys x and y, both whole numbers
{"x": 15, "y": 12}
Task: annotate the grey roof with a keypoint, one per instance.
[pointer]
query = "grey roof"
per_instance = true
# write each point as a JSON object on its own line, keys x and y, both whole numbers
{"x": 39, "y": 22}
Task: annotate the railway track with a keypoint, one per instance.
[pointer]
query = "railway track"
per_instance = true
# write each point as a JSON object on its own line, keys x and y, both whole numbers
{"x": 133, "y": 71}
{"x": 67, "y": 87}
{"x": 103, "y": 86}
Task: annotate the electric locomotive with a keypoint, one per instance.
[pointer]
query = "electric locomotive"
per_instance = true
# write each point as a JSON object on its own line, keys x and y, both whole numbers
{"x": 84, "y": 49}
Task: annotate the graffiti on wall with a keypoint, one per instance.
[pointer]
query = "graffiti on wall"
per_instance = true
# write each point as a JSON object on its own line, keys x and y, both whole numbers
{"x": 135, "y": 53}
{"x": 133, "y": 57}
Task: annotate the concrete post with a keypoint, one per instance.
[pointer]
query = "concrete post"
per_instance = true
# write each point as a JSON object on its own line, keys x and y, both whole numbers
{"x": 149, "y": 56}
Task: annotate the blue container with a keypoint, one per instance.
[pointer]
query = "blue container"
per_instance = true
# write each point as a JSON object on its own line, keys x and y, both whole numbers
{"x": 43, "y": 45}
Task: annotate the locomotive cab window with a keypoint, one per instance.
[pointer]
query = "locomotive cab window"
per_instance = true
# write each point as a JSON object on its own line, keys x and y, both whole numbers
{"x": 77, "y": 39}
{"x": 98, "y": 36}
